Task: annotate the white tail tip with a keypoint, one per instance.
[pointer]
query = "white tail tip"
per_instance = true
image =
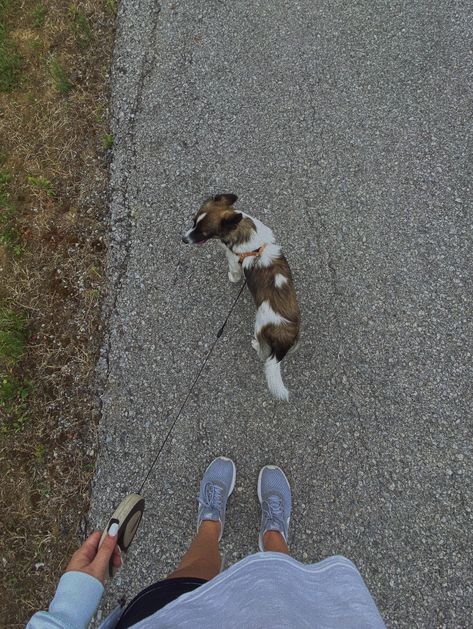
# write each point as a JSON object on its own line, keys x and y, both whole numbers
{"x": 273, "y": 377}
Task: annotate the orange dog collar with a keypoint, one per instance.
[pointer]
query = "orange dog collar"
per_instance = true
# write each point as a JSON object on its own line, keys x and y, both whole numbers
{"x": 248, "y": 254}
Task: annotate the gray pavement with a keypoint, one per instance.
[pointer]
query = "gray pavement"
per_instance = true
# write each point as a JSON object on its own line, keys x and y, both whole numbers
{"x": 347, "y": 128}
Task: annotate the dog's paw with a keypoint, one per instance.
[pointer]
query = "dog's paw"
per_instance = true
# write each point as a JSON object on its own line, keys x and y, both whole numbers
{"x": 234, "y": 277}
{"x": 255, "y": 345}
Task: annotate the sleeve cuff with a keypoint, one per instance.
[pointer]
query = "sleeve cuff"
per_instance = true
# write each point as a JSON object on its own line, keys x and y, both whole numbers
{"x": 76, "y": 599}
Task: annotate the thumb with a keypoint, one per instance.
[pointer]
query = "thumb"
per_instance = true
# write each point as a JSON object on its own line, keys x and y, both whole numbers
{"x": 105, "y": 551}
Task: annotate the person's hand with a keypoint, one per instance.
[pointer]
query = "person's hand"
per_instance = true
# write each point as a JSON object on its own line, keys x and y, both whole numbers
{"x": 94, "y": 561}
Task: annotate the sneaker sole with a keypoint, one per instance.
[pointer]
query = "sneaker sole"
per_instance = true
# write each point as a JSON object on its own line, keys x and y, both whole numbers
{"x": 260, "y": 475}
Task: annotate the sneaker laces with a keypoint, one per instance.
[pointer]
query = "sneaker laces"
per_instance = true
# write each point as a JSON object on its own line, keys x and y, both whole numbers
{"x": 213, "y": 497}
{"x": 274, "y": 512}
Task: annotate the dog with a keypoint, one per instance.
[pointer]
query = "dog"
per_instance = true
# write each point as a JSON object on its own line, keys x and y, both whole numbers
{"x": 251, "y": 249}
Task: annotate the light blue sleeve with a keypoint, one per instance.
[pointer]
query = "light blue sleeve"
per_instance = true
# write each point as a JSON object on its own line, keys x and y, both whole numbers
{"x": 76, "y": 599}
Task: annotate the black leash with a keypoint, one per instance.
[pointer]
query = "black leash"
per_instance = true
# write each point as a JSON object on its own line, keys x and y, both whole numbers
{"x": 199, "y": 373}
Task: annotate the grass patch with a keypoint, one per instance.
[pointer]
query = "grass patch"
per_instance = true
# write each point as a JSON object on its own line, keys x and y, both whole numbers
{"x": 62, "y": 82}
{"x": 13, "y": 336}
{"x": 81, "y": 28}
{"x": 42, "y": 184}
{"x": 14, "y": 394}
{"x": 111, "y": 6}
{"x": 11, "y": 60}
{"x": 53, "y": 204}
{"x": 100, "y": 114}
{"x": 9, "y": 234}
{"x": 14, "y": 390}
{"x": 107, "y": 141}
{"x": 4, "y": 180}
{"x": 39, "y": 16}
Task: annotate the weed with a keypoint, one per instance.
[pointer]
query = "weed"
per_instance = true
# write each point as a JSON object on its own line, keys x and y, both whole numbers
{"x": 81, "y": 28}
{"x": 94, "y": 272}
{"x": 41, "y": 183}
{"x": 39, "y": 15}
{"x": 107, "y": 141}
{"x": 61, "y": 81}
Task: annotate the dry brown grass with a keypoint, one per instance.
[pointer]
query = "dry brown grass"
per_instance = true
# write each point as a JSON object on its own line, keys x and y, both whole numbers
{"x": 52, "y": 126}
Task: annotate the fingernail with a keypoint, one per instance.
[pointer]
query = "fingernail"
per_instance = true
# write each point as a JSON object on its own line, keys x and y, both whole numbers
{"x": 113, "y": 530}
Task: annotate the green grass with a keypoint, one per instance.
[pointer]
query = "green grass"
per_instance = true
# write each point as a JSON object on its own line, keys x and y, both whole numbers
{"x": 81, "y": 28}
{"x": 13, "y": 336}
{"x": 14, "y": 395}
{"x": 14, "y": 391}
{"x": 107, "y": 141}
{"x": 111, "y": 6}
{"x": 35, "y": 46}
{"x": 100, "y": 114}
{"x": 61, "y": 81}
{"x": 11, "y": 60}
{"x": 39, "y": 453}
{"x": 39, "y": 15}
{"x": 4, "y": 176}
{"x": 9, "y": 234}
{"x": 41, "y": 183}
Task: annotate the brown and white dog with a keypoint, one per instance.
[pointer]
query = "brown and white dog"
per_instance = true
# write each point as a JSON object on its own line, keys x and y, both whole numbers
{"x": 251, "y": 249}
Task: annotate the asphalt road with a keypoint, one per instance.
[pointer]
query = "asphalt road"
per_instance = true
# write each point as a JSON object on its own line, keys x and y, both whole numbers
{"x": 345, "y": 126}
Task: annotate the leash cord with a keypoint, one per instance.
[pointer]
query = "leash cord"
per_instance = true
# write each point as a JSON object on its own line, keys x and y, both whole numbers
{"x": 189, "y": 393}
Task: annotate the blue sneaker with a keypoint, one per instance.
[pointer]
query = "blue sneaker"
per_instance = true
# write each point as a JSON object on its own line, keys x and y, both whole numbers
{"x": 274, "y": 494}
{"x": 216, "y": 486}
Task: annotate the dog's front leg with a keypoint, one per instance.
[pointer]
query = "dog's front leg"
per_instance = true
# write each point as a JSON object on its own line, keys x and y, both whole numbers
{"x": 235, "y": 272}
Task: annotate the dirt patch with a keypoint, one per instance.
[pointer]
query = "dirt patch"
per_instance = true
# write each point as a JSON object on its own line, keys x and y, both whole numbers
{"x": 55, "y": 147}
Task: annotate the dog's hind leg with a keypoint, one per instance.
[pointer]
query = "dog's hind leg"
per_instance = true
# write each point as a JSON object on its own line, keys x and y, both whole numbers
{"x": 261, "y": 348}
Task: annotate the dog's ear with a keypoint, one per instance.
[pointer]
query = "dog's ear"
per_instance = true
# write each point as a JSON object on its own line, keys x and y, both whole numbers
{"x": 228, "y": 199}
{"x": 230, "y": 221}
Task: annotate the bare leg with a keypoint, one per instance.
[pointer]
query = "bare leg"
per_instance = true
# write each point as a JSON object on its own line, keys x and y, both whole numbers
{"x": 275, "y": 542}
{"x": 202, "y": 560}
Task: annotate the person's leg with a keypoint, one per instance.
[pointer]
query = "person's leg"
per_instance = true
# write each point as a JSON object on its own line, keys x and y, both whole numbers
{"x": 202, "y": 560}
{"x": 275, "y": 542}
{"x": 274, "y": 494}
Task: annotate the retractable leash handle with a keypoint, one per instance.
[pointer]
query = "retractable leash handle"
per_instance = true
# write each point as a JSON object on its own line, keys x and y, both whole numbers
{"x": 128, "y": 516}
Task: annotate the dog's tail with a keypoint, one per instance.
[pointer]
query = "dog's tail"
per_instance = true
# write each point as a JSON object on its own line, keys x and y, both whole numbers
{"x": 272, "y": 370}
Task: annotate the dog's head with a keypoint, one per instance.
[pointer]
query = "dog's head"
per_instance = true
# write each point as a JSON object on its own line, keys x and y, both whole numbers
{"x": 215, "y": 219}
